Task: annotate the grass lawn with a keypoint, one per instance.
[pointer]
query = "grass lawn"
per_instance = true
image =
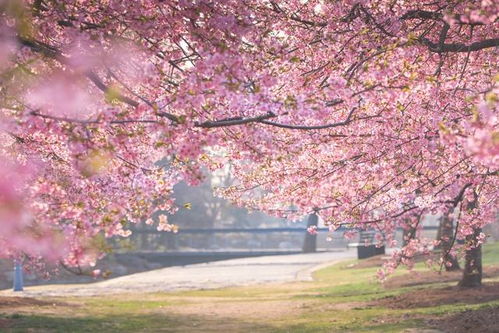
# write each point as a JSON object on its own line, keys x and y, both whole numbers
{"x": 343, "y": 298}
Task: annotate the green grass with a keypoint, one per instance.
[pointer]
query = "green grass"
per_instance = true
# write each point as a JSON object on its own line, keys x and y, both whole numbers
{"x": 490, "y": 254}
{"x": 107, "y": 323}
{"x": 341, "y": 299}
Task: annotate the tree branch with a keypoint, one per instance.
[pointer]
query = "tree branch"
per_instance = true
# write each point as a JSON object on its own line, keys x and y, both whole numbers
{"x": 317, "y": 127}
{"x": 460, "y": 47}
{"x": 88, "y": 122}
{"x": 103, "y": 87}
{"x": 435, "y": 16}
{"x": 422, "y": 14}
{"x": 234, "y": 121}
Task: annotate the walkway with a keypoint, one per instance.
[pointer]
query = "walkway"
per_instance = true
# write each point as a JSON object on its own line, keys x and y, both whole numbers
{"x": 234, "y": 272}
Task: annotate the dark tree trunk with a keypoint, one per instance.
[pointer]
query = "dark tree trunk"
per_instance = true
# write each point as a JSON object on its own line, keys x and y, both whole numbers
{"x": 472, "y": 274}
{"x": 408, "y": 233}
{"x": 310, "y": 243}
{"x": 446, "y": 231}
{"x": 409, "y": 229}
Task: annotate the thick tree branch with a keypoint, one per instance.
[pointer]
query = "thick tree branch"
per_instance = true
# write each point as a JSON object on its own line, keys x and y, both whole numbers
{"x": 52, "y": 52}
{"x": 102, "y": 86}
{"x": 460, "y": 47}
{"x": 422, "y": 14}
{"x": 441, "y": 46}
{"x": 459, "y": 196}
{"x": 317, "y": 127}
{"x": 234, "y": 121}
{"x": 89, "y": 122}
{"x": 435, "y": 16}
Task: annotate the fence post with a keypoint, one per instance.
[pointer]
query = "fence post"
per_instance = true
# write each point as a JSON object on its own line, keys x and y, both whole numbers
{"x": 18, "y": 275}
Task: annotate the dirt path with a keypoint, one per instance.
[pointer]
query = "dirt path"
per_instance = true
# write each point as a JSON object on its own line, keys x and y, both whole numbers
{"x": 235, "y": 272}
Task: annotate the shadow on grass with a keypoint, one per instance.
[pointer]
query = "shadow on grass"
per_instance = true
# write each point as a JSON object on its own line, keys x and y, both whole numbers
{"x": 323, "y": 322}
{"x": 124, "y": 323}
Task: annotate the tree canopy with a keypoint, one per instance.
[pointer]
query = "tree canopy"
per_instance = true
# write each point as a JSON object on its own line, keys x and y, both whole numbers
{"x": 368, "y": 113}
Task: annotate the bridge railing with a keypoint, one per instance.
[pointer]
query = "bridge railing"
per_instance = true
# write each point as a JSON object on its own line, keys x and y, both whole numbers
{"x": 285, "y": 238}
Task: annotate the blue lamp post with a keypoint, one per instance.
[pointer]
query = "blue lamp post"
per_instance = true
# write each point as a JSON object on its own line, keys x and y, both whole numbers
{"x": 18, "y": 275}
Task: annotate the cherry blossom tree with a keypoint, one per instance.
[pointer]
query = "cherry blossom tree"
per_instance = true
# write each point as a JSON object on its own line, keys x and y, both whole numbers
{"x": 367, "y": 113}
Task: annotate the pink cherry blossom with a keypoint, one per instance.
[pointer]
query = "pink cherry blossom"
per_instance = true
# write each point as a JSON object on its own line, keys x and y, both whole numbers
{"x": 370, "y": 113}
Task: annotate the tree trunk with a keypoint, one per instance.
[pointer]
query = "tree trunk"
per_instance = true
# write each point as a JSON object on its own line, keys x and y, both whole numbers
{"x": 446, "y": 231}
{"x": 472, "y": 275}
{"x": 310, "y": 243}
{"x": 409, "y": 228}
{"x": 408, "y": 233}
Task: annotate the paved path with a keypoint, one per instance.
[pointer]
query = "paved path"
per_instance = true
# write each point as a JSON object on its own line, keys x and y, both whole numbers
{"x": 226, "y": 273}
